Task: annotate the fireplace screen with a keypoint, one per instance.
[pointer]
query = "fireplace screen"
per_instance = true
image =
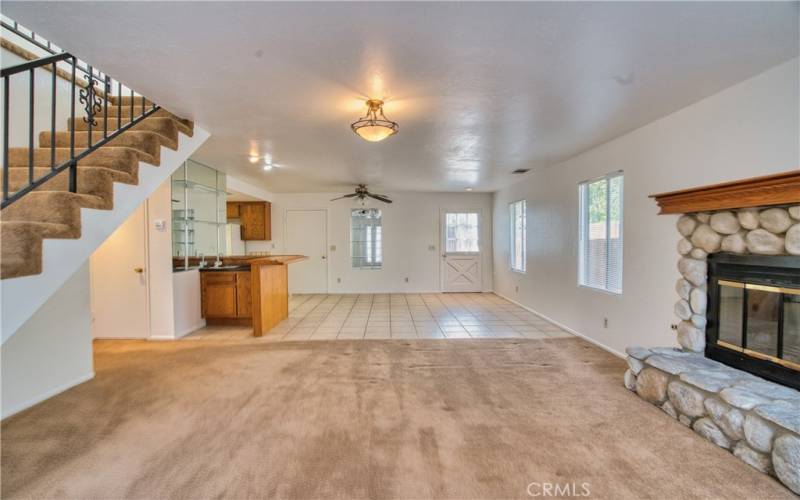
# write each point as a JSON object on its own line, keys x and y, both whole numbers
{"x": 754, "y": 315}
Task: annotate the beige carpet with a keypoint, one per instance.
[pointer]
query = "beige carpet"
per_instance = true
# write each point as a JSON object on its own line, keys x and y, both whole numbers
{"x": 368, "y": 419}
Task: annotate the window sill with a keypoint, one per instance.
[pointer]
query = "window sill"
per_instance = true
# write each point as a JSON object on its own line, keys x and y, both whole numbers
{"x": 601, "y": 290}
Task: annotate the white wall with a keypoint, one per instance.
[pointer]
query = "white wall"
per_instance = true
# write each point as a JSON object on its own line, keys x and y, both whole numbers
{"x": 747, "y": 130}
{"x": 410, "y": 225}
{"x": 159, "y": 261}
{"x": 52, "y": 351}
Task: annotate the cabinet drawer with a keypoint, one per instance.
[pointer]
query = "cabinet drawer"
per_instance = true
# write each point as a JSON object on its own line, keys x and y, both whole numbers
{"x": 219, "y": 277}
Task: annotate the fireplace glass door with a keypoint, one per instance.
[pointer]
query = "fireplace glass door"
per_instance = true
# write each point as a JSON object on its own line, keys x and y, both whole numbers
{"x": 761, "y": 321}
{"x": 754, "y": 315}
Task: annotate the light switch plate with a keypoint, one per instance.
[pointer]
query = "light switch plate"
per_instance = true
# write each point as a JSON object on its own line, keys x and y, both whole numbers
{"x": 333, "y": 248}
{"x": 160, "y": 224}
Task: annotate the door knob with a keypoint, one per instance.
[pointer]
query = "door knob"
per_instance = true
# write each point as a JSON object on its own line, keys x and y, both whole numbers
{"x": 323, "y": 257}
{"x": 139, "y": 270}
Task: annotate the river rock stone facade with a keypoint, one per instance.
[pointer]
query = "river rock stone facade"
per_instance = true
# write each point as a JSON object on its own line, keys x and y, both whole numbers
{"x": 756, "y": 420}
{"x": 764, "y": 231}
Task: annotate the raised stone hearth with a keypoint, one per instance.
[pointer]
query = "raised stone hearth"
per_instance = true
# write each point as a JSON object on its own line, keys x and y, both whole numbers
{"x": 756, "y": 420}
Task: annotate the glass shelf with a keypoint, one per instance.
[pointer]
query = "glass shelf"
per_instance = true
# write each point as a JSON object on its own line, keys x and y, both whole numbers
{"x": 198, "y": 221}
{"x": 196, "y": 186}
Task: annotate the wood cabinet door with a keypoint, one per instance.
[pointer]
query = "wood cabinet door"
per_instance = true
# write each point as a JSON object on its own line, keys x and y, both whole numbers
{"x": 244, "y": 306}
{"x": 232, "y": 210}
{"x": 253, "y": 217}
{"x": 219, "y": 295}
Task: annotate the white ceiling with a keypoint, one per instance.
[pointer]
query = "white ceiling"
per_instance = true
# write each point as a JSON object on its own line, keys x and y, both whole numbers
{"x": 479, "y": 89}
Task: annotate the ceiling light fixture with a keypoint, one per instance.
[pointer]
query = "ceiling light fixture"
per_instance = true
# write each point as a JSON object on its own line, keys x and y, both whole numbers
{"x": 268, "y": 166}
{"x": 254, "y": 159}
{"x": 374, "y": 126}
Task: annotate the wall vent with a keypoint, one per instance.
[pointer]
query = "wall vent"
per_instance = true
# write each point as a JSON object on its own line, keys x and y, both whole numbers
{"x": 521, "y": 171}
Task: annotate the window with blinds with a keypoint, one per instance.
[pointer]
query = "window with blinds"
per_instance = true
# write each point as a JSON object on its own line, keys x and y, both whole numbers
{"x": 600, "y": 238}
{"x": 517, "y": 217}
{"x": 366, "y": 247}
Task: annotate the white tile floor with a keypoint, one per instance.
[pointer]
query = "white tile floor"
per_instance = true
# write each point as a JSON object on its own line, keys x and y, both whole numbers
{"x": 399, "y": 316}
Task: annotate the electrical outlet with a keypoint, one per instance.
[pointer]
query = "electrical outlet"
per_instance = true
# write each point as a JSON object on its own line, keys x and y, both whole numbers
{"x": 432, "y": 248}
{"x": 338, "y": 280}
{"x": 333, "y": 248}
{"x": 605, "y": 322}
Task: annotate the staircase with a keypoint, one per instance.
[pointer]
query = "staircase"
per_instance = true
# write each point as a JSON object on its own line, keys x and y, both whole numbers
{"x": 66, "y": 193}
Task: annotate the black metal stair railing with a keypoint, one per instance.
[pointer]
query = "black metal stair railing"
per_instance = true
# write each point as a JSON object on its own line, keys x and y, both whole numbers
{"x": 95, "y": 92}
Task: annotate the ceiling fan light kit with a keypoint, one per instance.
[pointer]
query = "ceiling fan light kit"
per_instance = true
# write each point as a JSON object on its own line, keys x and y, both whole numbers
{"x": 374, "y": 126}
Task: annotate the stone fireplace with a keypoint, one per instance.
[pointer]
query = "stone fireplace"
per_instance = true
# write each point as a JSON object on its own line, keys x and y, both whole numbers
{"x": 734, "y": 378}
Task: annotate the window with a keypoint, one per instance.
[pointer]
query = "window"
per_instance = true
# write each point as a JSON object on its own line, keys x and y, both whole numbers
{"x": 600, "y": 255}
{"x": 461, "y": 231}
{"x": 366, "y": 247}
{"x": 516, "y": 213}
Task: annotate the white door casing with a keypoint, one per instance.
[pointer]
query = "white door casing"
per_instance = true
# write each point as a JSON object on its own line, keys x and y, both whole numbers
{"x": 305, "y": 233}
{"x": 119, "y": 282}
{"x": 461, "y": 260}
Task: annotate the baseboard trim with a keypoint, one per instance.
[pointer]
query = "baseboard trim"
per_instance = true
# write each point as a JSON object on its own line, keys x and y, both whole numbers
{"x": 47, "y": 395}
{"x": 565, "y": 327}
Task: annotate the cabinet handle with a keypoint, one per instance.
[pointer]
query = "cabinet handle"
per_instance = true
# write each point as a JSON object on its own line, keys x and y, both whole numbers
{"x": 138, "y": 270}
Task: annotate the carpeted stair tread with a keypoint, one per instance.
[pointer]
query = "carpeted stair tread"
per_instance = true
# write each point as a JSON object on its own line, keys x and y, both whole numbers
{"x": 185, "y": 126}
{"x": 98, "y": 181}
{"x": 146, "y": 144}
{"x": 125, "y": 100}
{"x": 116, "y": 158}
{"x": 61, "y": 207}
{"x": 167, "y": 128}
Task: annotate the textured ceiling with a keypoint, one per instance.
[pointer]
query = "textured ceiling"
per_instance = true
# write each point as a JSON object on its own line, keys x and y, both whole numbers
{"x": 479, "y": 89}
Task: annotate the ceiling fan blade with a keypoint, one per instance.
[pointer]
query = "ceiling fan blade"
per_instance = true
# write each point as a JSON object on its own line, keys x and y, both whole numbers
{"x": 379, "y": 197}
{"x": 351, "y": 195}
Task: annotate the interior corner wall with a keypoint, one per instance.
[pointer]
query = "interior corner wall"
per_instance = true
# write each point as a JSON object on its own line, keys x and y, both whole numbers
{"x": 411, "y": 225}
{"x": 52, "y": 351}
{"x": 747, "y": 130}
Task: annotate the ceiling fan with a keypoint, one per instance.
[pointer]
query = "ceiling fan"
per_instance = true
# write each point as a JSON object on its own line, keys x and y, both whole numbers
{"x": 362, "y": 193}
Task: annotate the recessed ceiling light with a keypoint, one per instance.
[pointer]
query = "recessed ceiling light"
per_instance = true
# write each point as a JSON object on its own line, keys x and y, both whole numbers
{"x": 254, "y": 159}
{"x": 374, "y": 126}
{"x": 268, "y": 166}
{"x": 468, "y": 189}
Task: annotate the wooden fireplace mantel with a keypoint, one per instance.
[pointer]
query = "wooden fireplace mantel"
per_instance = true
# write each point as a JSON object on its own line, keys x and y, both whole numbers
{"x": 776, "y": 189}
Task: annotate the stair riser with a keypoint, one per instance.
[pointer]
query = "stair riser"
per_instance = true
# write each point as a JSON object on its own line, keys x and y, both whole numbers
{"x": 94, "y": 181}
{"x": 185, "y": 126}
{"x": 146, "y": 144}
{"x": 113, "y": 99}
{"x": 122, "y": 159}
{"x": 19, "y": 242}
{"x": 56, "y": 209}
{"x": 165, "y": 127}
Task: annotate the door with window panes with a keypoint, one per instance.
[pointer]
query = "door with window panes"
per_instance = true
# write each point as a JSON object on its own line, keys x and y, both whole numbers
{"x": 461, "y": 251}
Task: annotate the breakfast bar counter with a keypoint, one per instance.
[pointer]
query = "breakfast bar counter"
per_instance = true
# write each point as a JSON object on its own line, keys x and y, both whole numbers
{"x": 246, "y": 290}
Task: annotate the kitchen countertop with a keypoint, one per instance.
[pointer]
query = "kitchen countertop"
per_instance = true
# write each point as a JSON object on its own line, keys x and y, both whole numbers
{"x": 233, "y": 263}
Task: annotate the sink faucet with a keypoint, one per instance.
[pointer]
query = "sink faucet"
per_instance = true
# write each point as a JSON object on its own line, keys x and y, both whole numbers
{"x": 202, "y": 260}
{"x": 218, "y": 262}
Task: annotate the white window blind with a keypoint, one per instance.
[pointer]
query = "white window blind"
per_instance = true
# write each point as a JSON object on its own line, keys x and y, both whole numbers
{"x": 518, "y": 219}
{"x": 600, "y": 238}
{"x": 366, "y": 248}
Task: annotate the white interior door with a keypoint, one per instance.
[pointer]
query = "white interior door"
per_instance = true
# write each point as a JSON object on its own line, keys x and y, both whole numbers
{"x": 119, "y": 282}
{"x": 461, "y": 251}
{"x": 306, "y": 234}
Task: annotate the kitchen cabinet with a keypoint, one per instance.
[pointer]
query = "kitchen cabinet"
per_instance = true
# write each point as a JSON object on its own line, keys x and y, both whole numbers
{"x": 226, "y": 297}
{"x": 255, "y": 219}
